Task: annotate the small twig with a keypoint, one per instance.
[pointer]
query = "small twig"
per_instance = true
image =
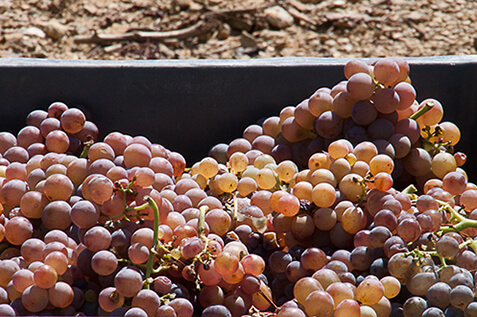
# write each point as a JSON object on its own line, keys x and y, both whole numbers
{"x": 422, "y": 32}
{"x": 196, "y": 29}
{"x": 203, "y": 25}
{"x": 301, "y": 16}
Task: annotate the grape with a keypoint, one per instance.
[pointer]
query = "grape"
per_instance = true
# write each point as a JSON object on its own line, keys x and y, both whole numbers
{"x": 137, "y": 155}
{"x": 349, "y": 308}
{"x": 61, "y": 295}
{"x": 57, "y": 141}
{"x": 319, "y": 303}
{"x": 365, "y": 151}
{"x": 339, "y": 148}
{"x": 58, "y": 261}
{"x": 135, "y": 312}
{"x": 414, "y": 306}
{"x": 191, "y": 247}
{"x": 100, "y": 189}
{"x": 360, "y": 258}
{"x": 451, "y": 132}
{"x": 443, "y": 163}
{"x": 56, "y": 215}
{"x": 461, "y": 296}
{"x": 32, "y": 250}
{"x": 386, "y": 100}
{"x": 303, "y": 117}
{"x": 369, "y": 291}
{"x": 302, "y": 226}
{"x": 162, "y": 284}
{"x": 353, "y": 220}
{"x": 97, "y": 238}
{"x": 407, "y": 95}
{"x": 35, "y": 299}
{"x": 84, "y": 214}
{"x": 109, "y": 299}
{"x": 355, "y": 66}
{"x": 342, "y": 104}
{"x": 45, "y": 276}
{"x": 381, "y": 163}
{"x": 391, "y": 285}
{"x": 350, "y": 185}
{"x": 340, "y": 292}
{"x": 418, "y": 162}
{"x": 364, "y": 112}
{"x": 471, "y": 310}
{"x": 328, "y": 125}
{"x": 319, "y": 103}
{"x": 7, "y": 269}
{"x": 18, "y": 230}
{"x": 288, "y": 205}
{"x": 148, "y": 300}
{"x": 291, "y": 312}
{"x": 17, "y": 154}
{"x": 12, "y": 192}
{"x": 253, "y": 264}
{"x": 439, "y": 295}
{"x": 58, "y": 187}
{"x": 434, "y": 115}
{"x": 323, "y": 195}
{"x": 360, "y": 86}
{"x": 324, "y": 218}
{"x": 447, "y": 247}
{"x": 182, "y": 307}
{"x": 433, "y": 312}
{"x": 319, "y": 161}
{"x": 454, "y": 182}
{"x": 386, "y": 71}
{"x": 419, "y": 284}
{"x": 252, "y": 131}
{"x": 216, "y": 310}
{"x": 22, "y": 279}
{"x": 304, "y": 286}
{"x": 128, "y": 282}
{"x": 104, "y": 262}
{"x": 286, "y": 170}
{"x": 408, "y": 127}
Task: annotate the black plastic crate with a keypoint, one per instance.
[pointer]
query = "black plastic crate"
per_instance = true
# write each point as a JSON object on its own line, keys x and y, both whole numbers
{"x": 190, "y": 105}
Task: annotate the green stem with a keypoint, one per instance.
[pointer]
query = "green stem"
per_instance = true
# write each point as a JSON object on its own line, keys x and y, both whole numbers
{"x": 137, "y": 208}
{"x": 455, "y": 215}
{"x": 152, "y": 204}
{"x": 411, "y": 189}
{"x": 473, "y": 245}
{"x": 428, "y": 106}
{"x": 86, "y": 147}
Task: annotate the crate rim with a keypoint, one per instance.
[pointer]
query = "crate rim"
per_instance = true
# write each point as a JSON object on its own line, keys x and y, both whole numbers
{"x": 222, "y": 63}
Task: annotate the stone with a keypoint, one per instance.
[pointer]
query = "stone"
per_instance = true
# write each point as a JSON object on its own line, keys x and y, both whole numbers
{"x": 247, "y": 40}
{"x": 279, "y": 17}
{"x": 34, "y": 31}
{"x": 55, "y": 30}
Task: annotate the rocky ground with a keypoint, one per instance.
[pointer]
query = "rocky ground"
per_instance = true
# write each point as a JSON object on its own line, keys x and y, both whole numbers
{"x": 223, "y": 29}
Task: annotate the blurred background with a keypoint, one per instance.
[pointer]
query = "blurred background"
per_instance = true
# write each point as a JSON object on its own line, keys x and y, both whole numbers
{"x": 228, "y": 29}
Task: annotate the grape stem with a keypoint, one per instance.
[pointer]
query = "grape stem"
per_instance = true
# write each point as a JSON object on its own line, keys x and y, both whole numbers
{"x": 201, "y": 224}
{"x": 411, "y": 189}
{"x": 86, "y": 147}
{"x": 463, "y": 222}
{"x": 152, "y": 204}
{"x": 427, "y": 106}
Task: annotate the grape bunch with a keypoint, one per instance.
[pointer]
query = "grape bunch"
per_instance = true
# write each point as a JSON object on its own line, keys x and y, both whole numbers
{"x": 351, "y": 203}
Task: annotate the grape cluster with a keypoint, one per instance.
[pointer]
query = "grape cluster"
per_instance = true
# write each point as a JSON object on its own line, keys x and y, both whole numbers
{"x": 352, "y": 203}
